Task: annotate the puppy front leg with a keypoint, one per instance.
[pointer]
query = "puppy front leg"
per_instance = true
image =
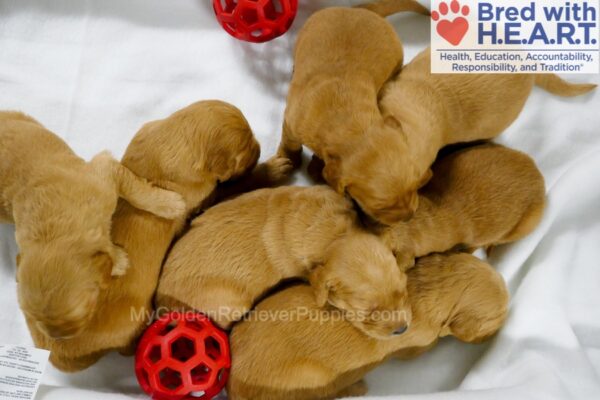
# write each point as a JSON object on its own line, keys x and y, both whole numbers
{"x": 139, "y": 192}
{"x": 290, "y": 147}
{"x": 272, "y": 172}
{"x": 264, "y": 175}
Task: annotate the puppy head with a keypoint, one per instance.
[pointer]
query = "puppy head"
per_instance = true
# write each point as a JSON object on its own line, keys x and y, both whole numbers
{"x": 231, "y": 150}
{"x": 360, "y": 278}
{"x": 58, "y": 287}
{"x": 207, "y": 141}
{"x": 381, "y": 177}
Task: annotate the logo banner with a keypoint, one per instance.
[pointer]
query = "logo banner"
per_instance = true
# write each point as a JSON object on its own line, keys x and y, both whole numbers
{"x": 515, "y": 36}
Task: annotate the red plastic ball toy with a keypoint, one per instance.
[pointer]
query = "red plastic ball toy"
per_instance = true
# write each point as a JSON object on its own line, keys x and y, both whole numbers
{"x": 183, "y": 356}
{"x": 256, "y": 20}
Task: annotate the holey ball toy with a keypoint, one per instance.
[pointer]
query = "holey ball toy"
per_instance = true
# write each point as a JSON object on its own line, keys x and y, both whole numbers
{"x": 256, "y": 20}
{"x": 183, "y": 356}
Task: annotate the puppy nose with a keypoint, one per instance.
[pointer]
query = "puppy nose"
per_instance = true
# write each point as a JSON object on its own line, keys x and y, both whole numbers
{"x": 400, "y": 330}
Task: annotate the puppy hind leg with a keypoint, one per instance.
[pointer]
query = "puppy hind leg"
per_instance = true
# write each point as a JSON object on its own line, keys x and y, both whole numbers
{"x": 139, "y": 192}
{"x": 267, "y": 174}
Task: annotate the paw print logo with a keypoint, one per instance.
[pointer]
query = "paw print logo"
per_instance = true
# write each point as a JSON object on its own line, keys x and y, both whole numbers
{"x": 452, "y": 30}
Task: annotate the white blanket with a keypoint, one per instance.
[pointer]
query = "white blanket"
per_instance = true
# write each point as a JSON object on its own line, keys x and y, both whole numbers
{"x": 94, "y": 71}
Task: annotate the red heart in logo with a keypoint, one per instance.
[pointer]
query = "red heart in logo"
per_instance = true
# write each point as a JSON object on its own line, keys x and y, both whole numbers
{"x": 453, "y": 31}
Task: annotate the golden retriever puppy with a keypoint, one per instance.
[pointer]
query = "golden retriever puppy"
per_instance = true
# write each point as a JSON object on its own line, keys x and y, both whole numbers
{"x": 188, "y": 152}
{"x": 291, "y": 349}
{"x": 237, "y": 251}
{"x": 430, "y": 111}
{"x": 342, "y": 58}
{"x": 62, "y": 207}
{"x": 480, "y": 196}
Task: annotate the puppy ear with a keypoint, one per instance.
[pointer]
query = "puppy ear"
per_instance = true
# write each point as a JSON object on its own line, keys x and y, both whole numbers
{"x": 425, "y": 178}
{"x": 332, "y": 173}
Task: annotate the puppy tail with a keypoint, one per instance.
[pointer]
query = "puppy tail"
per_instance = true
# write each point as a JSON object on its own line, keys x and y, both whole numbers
{"x": 388, "y": 7}
{"x": 558, "y": 86}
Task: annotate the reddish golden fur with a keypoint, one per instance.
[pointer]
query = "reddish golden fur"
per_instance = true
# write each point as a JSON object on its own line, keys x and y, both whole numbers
{"x": 343, "y": 56}
{"x": 62, "y": 207}
{"x": 479, "y": 197}
{"x": 237, "y": 251}
{"x": 188, "y": 152}
{"x": 430, "y": 111}
{"x": 305, "y": 358}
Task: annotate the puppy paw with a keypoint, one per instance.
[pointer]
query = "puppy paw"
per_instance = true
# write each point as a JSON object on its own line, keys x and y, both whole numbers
{"x": 167, "y": 204}
{"x": 278, "y": 168}
{"x": 120, "y": 261}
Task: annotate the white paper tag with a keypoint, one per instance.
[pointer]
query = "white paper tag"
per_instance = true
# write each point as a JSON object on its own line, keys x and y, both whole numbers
{"x": 21, "y": 370}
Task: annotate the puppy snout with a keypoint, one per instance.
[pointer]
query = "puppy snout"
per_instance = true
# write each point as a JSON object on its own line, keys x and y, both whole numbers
{"x": 400, "y": 330}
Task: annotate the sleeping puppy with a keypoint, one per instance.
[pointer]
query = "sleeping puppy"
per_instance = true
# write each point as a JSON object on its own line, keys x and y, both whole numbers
{"x": 480, "y": 196}
{"x": 312, "y": 355}
{"x": 188, "y": 152}
{"x": 430, "y": 111}
{"x": 62, "y": 208}
{"x": 239, "y": 250}
{"x": 342, "y": 58}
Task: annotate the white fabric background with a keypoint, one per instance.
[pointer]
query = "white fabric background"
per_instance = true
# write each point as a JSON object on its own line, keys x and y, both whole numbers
{"x": 95, "y": 71}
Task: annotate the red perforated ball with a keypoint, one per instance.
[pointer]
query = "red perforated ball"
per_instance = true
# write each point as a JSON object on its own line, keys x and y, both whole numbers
{"x": 183, "y": 356}
{"x": 256, "y": 20}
